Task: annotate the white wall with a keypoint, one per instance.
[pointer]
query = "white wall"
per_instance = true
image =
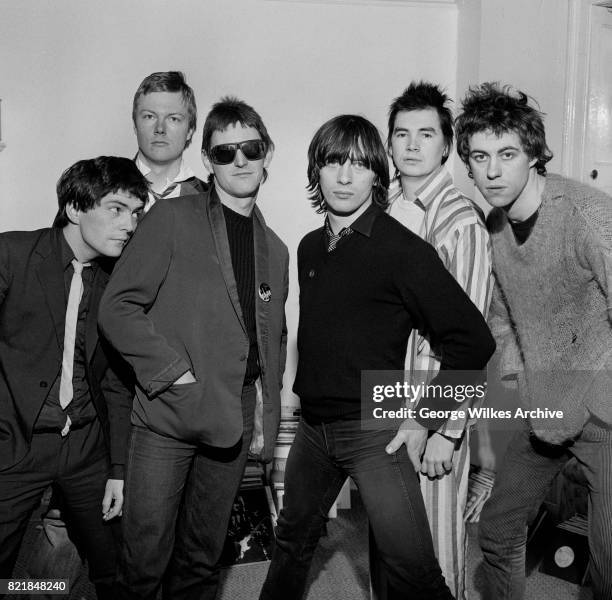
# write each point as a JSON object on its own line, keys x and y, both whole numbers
{"x": 468, "y": 65}
{"x": 524, "y": 42}
{"x": 69, "y": 69}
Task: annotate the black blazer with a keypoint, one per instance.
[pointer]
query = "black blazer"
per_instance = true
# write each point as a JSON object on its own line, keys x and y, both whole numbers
{"x": 32, "y": 316}
{"x": 172, "y": 305}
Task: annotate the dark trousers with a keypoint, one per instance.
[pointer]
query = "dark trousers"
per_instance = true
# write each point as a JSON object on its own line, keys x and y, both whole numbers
{"x": 178, "y": 501}
{"x": 321, "y": 458}
{"x": 78, "y": 464}
{"x": 521, "y": 484}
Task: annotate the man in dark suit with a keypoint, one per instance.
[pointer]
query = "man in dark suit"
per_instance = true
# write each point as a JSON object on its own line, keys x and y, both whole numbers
{"x": 164, "y": 114}
{"x": 196, "y": 306}
{"x": 54, "y": 375}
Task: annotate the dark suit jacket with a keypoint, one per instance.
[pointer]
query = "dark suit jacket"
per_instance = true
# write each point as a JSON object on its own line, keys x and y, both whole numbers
{"x": 32, "y": 316}
{"x": 193, "y": 186}
{"x": 172, "y": 305}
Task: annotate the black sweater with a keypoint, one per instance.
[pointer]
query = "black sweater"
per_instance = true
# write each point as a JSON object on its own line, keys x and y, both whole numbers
{"x": 240, "y": 237}
{"x": 358, "y": 305}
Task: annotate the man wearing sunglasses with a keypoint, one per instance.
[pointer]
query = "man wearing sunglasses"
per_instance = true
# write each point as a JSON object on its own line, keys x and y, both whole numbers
{"x": 197, "y": 308}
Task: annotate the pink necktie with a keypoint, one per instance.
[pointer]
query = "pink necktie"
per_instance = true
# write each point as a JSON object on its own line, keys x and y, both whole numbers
{"x": 72, "y": 315}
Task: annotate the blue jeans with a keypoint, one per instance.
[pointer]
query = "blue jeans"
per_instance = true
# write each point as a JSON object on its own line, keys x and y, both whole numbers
{"x": 178, "y": 501}
{"x": 321, "y": 458}
{"x": 521, "y": 484}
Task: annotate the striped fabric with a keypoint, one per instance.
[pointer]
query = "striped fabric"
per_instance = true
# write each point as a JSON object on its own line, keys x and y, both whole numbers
{"x": 334, "y": 238}
{"x": 172, "y": 189}
{"x": 455, "y": 227}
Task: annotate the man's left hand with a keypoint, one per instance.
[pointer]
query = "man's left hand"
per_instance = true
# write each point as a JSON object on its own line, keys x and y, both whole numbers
{"x": 414, "y": 435}
{"x": 438, "y": 457}
{"x": 112, "y": 503}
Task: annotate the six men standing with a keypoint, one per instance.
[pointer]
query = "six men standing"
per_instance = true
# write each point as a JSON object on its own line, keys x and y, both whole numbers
{"x": 195, "y": 308}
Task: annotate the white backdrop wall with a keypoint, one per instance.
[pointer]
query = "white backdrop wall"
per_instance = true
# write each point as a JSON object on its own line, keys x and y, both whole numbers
{"x": 69, "y": 69}
{"x": 524, "y": 42}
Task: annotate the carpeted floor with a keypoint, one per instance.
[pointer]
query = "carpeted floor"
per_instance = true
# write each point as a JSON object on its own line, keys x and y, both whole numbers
{"x": 340, "y": 568}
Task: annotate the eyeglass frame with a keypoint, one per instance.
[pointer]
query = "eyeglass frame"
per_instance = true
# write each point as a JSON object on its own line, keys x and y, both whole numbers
{"x": 235, "y": 146}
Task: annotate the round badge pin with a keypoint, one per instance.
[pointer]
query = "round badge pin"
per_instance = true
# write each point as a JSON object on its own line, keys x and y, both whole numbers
{"x": 265, "y": 293}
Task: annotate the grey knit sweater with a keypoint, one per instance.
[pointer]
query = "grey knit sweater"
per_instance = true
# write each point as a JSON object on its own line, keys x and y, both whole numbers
{"x": 552, "y": 307}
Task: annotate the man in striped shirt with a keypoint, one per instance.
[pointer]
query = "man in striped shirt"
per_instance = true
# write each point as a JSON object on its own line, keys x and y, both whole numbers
{"x": 423, "y": 198}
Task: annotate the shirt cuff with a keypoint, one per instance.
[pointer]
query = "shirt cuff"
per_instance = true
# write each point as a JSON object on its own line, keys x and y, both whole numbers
{"x": 116, "y": 471}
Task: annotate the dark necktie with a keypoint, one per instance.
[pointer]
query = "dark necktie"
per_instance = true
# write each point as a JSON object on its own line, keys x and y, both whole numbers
{"x": 166, "y": 192}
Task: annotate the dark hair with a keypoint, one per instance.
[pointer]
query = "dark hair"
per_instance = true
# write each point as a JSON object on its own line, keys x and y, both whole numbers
{"x": 229, "y": 111}
{"x": 341, "y": 138}
{"x": 168, "y": 81}
{"x": 501, "y": 109}
{"x": 86, "y": 182}
{"x": 420, "y": 96}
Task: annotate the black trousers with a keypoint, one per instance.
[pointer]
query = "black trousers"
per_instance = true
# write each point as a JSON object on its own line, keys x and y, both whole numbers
{"x": 78, "y": 465}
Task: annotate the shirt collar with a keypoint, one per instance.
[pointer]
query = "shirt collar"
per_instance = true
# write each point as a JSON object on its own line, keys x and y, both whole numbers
{"x": 184, "y": 173}
{"x": 67, "y": 255}
{"x": 364, "y": 223}
{"x": 427, "y": 193}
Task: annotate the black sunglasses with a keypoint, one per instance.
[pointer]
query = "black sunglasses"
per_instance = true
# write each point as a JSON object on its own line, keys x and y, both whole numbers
{"x": 224, "y": 154}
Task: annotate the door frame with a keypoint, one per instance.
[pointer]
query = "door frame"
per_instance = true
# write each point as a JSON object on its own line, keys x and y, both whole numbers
{"x": 577, "y": 69}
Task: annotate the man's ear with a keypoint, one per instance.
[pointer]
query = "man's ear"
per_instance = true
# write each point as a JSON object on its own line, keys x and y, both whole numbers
{"x": 73, "y": 214}
{"x": 532, "y": 162}
{"x": 268, "y": 157}
{"x": 190, "y": 135}
{"x": 207, "y": 164}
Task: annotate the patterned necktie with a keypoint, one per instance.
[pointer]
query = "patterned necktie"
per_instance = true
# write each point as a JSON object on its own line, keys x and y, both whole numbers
{"x": 72, "y": 315}
{"x": 166, "y": 192}
{"x": 334, "y": 238}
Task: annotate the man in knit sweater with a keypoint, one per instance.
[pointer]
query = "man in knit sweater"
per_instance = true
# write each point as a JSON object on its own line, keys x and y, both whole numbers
{"x": 423, "y": 198}
{"x": 551, "y": 315}
{"x": 365, "y": 283}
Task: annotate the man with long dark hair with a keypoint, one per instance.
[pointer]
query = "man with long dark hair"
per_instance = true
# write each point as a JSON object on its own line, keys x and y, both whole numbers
{"x": 365, "y": 282}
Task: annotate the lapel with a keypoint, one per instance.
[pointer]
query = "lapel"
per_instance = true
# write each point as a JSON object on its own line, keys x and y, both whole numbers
{"x": 219, "y": 233}
{"x": 262, "y": 276}
{"x": 192, "y": 186}
{"x": 51, "y": 277}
